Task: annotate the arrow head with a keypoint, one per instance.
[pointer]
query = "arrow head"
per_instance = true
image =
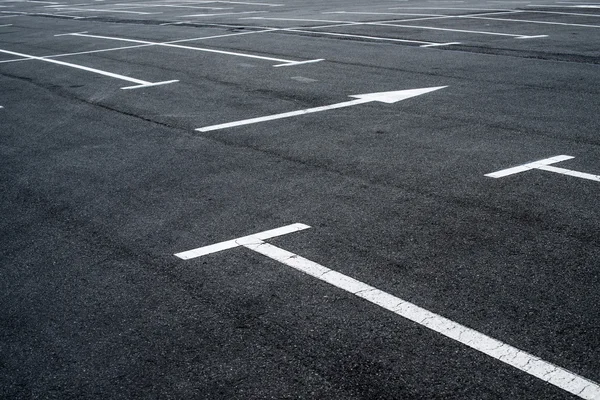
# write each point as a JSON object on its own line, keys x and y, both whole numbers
{"x": 397, "y": 95}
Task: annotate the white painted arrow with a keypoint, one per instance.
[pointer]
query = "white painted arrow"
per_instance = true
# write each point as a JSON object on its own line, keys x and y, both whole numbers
{"x": 383, "y": 97}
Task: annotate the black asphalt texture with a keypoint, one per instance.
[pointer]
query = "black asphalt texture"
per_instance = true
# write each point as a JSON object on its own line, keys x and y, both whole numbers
{"x": 101, "y": 186}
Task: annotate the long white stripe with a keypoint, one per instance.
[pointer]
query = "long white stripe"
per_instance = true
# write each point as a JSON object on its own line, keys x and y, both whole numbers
{"x": 103, "y": 10}
{"x": 569, "y": 172}
{"x": 433, "y": 28}
{"x": 171, "y": 44}
{"x": 229, "y": 244}
{"x": 282, "y": 115}
{"x": 528, "y": 166}
{"x": 530, "y": 21}
{"x": 532, "y": 365}
{"x": 220, "y": 14}
{"x": 66, "y": 64}
{"x": 140, "y": 83}
{"x": 384, "y": 39}
{"x": 145, "y": 45}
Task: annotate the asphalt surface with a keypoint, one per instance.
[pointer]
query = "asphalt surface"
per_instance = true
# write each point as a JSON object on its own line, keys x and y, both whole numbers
{"x": 101, "y": 186}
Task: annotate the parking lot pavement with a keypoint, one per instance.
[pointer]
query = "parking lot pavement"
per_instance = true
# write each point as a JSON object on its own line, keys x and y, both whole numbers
{"x": 253, "y": 200}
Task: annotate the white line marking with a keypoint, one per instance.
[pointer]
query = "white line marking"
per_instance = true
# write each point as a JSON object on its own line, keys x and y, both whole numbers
{"x": 141, "y": 5}
{"x": 530, "y": 364}
{"x": 5, "y": 25}
{"x": 528, "y": 166}
{"x": 525, "y": 21}
{"x": 129, "y": 47}
{"x": 433, "y": 28}
{"x": 68, "y": 34}
{"x": 104, "y": 10}
{"x": 294, "y": 63}
{"x": 140, "y": 82}
{"x": 448, "y": 8}
{"x": 544, "y": 165}
{"x": 229, "y": 244}
{"x": 378, "y": 38}
{"x": 440, "y": 44}
{"x": 569, "y": 172}
{"x": 380, "y": 13}
{"x": 149, "y": 85}
{"x": 384, "y": 97}
{"x": 248, "y": 3}
{"x": 171, "y": 44}
{"x": 220, "y": 14}
{"x": 563, "y": 6}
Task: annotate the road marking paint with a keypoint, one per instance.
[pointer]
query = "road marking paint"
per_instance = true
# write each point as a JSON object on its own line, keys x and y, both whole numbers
{"x": 142, "y": 5}
{"x": 5, "y": 25}
{"x": 377, "y": 38}
{"x": 106, "y": 10}
{"x": 129, "y": 47}
{"x": 447, "y": 8}
{"x": 145, "y": 85}
{"x": 79, "y": 53}
{"x": 569, "y": 172}
{"x": 172, "y": 44}
{"x": 294, "y": 63}
{"x": 68, "y": 34}
{"x": 530, "y": 22}
{"x": 383, "y": 97}
{"x": 21, "y": 13}
{"x": 140, "y": 83}
{"x": 433, "y": 28}
{"x": 528, "y": 166}
{"x": 230, "y": 244}
{"x": 545, "y": 165}
{"x": 248, "y": 3}
{"x": 220, "y": 14}
{"x": 560, "y": 13}
{"x": 528, "y": 363}
{"x": 564, "y": 6}
{"x": 380, "y": 13}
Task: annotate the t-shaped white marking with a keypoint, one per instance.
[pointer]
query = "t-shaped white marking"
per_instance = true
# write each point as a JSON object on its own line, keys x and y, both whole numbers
{"x": 547, "y": 372}
{"x": 544, "y": 165}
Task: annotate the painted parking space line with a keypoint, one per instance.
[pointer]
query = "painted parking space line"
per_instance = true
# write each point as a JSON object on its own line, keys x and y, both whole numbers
{"x": 283, "y": 62}
{"x": 432, "y": 28}
{"x": 230, "y": 244}
{"x": 221, "y": 14}
{"x": 311, "y": 30}
{"x": 383, "y": 97}
{"x": 139, "y": 83}
{"x": 147, "y": 5}
{"x": 20, "y": 13}
{"x": 517, "y": 358}
{"x": 73, "y": 9}
{"x": 525, "y": 21}
{"x": 78, "y": 53}
{"x": 545, "y": 165}
{"x": 375, "y": 38}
